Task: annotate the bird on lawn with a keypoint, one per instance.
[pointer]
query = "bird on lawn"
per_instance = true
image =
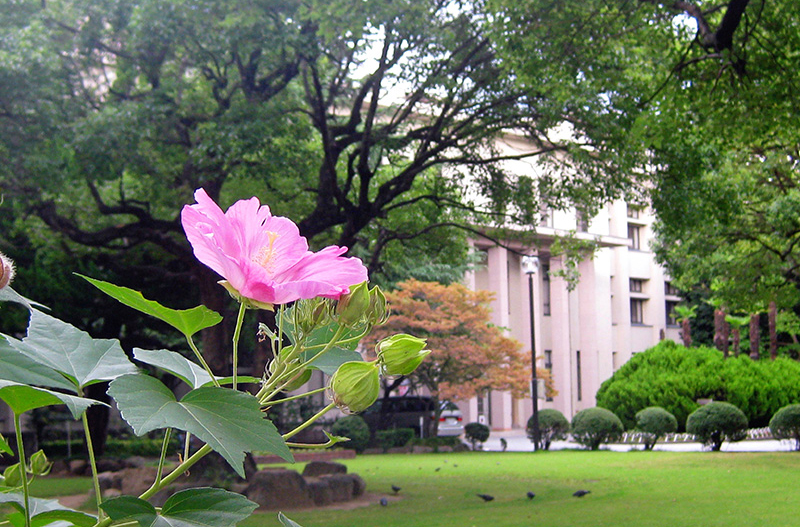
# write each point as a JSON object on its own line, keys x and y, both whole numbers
{"x": 581, "y": 493}
{"x": 530, "y": 495}
{"x": 395, "y": 489}
{"x": 384, "y": 502}
{"x": 485, "y": 497}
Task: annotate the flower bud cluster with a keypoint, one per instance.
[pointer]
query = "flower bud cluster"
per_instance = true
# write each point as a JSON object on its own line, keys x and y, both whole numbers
{"x": 401, "y": 354}
{"x": 362, "y": 306}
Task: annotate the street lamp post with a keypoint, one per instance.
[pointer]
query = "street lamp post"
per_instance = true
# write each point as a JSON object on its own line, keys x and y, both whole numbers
{"x": 530, "y": 265}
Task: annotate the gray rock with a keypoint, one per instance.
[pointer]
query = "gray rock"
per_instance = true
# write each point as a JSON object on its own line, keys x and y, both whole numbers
{"x": 320, "y": 491}
{"x": 323, "y": 468}
{"x": 342, "y": 486}
{"x": 278, "y": 489}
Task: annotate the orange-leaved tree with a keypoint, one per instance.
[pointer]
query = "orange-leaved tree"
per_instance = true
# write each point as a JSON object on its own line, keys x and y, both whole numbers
{"x": 470, "y": 355}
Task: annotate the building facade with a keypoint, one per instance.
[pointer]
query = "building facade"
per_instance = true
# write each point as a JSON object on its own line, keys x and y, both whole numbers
{"x": 621, "y": 304}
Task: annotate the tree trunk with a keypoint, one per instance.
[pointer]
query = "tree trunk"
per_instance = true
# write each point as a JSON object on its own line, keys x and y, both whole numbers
{"x": 755, "y": 336}
{"x": 719, "y": 324}
{"x": 773, "y": 334}
{"x": 686, "y": 332}
{"x": 726, "y": 339}
{"x": 736, "y": 341}
{"x": 216, "y": 340}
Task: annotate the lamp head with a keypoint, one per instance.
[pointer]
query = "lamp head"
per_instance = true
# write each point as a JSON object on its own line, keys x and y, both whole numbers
{"x": 530, "y": 264}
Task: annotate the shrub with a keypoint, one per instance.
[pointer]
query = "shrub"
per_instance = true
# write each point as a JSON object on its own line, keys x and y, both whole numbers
{"x": 354, "y": 428}
{"x": 476, "y": 433}
{"x": 394, "y": 437}
{"x": 717, "y": 422}
{"x": 785, "y": 424}
{"x": 552, "y": 425}
{"x": 655, "y": 422}
{"x": 594, "y": 426}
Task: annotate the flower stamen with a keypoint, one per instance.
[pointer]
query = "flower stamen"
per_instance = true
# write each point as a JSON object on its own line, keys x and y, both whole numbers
{"x": 265, "y": 257}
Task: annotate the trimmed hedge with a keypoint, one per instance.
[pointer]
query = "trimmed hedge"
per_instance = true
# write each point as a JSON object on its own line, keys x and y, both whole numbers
{"x": 655, "y": 422}
{"x": 717, "y": 422}
{"x": 354, "y": 428}
{"x": 675, "y": 377}
{"x": 476, "y": 433}
{"x": 785, "y": 424}
{"x": 395, "y": 437}
{"x": 552, "y": 426}
{"x": 594, "y": 426}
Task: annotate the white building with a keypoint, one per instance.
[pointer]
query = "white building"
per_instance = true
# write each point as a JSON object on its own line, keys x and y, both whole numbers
{"x": 621, "y": 305}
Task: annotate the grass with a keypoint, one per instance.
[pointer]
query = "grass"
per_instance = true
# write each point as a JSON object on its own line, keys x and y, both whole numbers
{"x": 50, "y": 487}
{"x": 638, "y": 489}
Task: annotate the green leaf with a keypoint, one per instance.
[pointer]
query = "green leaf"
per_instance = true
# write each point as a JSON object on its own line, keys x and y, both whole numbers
{"x": 200, "y": 507}
{"x": 330, "y": 361}
{"x": 4, "y": 447}
{"x": 286, "y": 522}
{"x": 187, "y": 321}
{"x": 231, "y": 422}
{"x": 46, "y": 512}
{"x": 126, "y": 508}
{"x": 21, "y": 398}
{"x": 14, "y": 366}
{"x": 175, "y": 363}
{"x": 74, "y": 353}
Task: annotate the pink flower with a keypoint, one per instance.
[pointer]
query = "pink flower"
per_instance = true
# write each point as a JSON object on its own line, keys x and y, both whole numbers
{"x": 263, "y": 257}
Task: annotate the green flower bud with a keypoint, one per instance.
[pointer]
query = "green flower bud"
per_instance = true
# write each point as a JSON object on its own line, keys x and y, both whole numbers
{"x": 6, "y": 270}
{"x": 299, "y": 379}
{"x": 401, "y": 354}
{"x": 353, "y": 306}
{"x": 40, "y": 466}
{"x": 310, "y": 314}
{"x": 378, "y": 309}
{"x": 355, "y": 386}
{"x": 12, "y": 476}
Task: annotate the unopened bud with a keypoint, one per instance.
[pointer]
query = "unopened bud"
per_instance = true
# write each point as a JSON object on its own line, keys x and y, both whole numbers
{"x": 401, "y": 354}
{"x": 378, "y": 310}
{"x": 299, "y": 378}
{"x": 353, "y": 306}
{"x": 355, "y": 386}
{"x": 6, "y": 270}
{"x": 12, "y": 476}
{"x": 310, "y": 314}
{"x": 40, "y": 466}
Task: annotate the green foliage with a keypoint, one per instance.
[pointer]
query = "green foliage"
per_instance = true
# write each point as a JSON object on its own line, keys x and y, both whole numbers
{"x": 552, "y": 426}
{"x": 655, "y": 422}
{"x": 355, "y": 429}
{"x": 785, "y": 424}
{"x": 593, "y": 427}
{"x": 476, "y": 433}
{"x": 674, "y": 378}
{"x": 394, "y": 437}
{"x": 717, "y": 422}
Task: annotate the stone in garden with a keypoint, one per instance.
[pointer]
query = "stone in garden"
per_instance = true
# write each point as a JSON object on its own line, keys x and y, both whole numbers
{"x": 134, "y": 481}
{"x": 281, "y": 488}
{"x": 320, "y": 491}
{"x": 419, "y": 449}
{"x": 78, "y": 467}
{"x": 323, "y": 468}
{"x": 359, "y": 485}
{"x": 135, "y": 462}
{"x": 342, "y": 486}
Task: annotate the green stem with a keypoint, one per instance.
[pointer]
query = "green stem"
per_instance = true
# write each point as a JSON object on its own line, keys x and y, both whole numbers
{"x": 160, "y": 470}
{"x": 292, "y": 398}
{"x": 186, "y": 445}
{"x": 176, "y": 473}
{"x": 93, "y": 464}
{"x": 308, "y": 423}
{"x": 23, "y": 470}
{"x": 236, "y": 334}
{"x": 202, "y": 360}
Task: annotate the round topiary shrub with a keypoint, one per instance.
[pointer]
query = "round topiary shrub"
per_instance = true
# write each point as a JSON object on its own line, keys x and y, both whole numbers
{"x": 785, "y": 424}
{"x": 476, "y": 433}
{"x": 552, "y": 425}
{"x": 594, "y": 426}
{"x": 717, "y": 422}
{"x": 354, "y": 428}
{"x": 655, "y": 422}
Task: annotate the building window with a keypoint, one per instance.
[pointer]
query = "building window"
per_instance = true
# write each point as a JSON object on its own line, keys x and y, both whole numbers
{"x": 633, "y": 212}
{"x": 578, "y": 374}
{"x": 634, "y": 235}
{"x": 545, "y": 216}
{"x": 582, "y": 221}
{"x": 637, "y": 311}
{"x": 637, "y": 285}
{"x": 671, "y": 290}
{"x": 548, "y": 364}
{"x": 672, "y": 317}
{"x": 546, "y": 289}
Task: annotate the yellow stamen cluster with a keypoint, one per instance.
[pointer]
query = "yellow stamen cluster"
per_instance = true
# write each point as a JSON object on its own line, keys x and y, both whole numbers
{"x": 265, "y": 257}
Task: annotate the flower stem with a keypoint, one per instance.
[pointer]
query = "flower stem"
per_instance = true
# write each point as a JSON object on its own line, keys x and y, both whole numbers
{"x": 93, "y": 464}
{"x": 292, "y": 398}
{"x": 202, "y": 360}
{"x": 236, "y": 334}
{"x": 23, "y": 470}
{"x": 176, "y": 473}
{"x": 160, "y": 470}
{"x": 308, "y": 423}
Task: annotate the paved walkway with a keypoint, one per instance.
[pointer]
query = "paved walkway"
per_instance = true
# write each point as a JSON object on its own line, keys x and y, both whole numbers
{"x": 518, "y": 442}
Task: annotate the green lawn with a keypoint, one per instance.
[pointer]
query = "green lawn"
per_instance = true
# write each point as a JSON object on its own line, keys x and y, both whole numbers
{"x": 627, "y": 489}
